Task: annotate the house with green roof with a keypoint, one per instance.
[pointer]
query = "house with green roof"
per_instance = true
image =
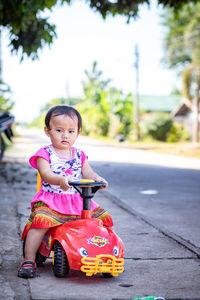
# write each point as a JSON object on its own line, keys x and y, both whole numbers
{"x": 159, "y": 103}
{"x": 185, "y": 113}
{"x": 180, "y": 109}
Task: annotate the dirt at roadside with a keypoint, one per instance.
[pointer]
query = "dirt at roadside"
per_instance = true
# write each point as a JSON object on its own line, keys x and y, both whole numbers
{"x": 176, "y": 149}
{"x": 11, "y": 174}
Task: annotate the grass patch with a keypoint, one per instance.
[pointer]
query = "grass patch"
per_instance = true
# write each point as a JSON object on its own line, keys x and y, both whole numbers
{"x": 186, "y": 149}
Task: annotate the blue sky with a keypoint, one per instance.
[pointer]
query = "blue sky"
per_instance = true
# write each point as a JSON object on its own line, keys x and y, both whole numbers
{"x": 83, "y": 37}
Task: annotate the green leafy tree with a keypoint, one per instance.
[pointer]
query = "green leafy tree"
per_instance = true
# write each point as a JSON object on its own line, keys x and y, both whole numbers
{"x": 158, "y": 126}
{"x": 29, "y": 31}
{"x": 5, "y": 102}
{"x": 39, "y": 121}
{"x": 182, "y": 45}
{"x": 59, "y": 101}
{"x": 107, "y": 111}
{"x": 95, "y": 105}
{"x": 122, "y": 111}
{"x": 94, "y": 84}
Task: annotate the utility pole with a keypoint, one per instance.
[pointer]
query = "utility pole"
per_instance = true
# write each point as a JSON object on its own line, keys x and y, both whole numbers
{"x": 136, "y": 103}
{"x": 67, "y": 92}
{"x": 0, "y": 57}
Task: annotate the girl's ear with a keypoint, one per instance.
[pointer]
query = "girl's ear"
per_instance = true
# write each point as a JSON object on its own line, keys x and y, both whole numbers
{"x": 46, "y": 130}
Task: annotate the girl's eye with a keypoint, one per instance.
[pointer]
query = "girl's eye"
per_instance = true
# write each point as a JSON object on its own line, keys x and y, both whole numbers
{"x": 59, "y": 130}
{"x": 71, "y": 131}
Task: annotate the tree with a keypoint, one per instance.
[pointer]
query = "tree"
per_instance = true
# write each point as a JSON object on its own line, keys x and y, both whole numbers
{"x": 39, "y": 121}
{"x": 182, "y": 43}
{"x": 29, "y": 31}
{"x": 5, "y": 102}
{"x": 95, "y": 105}
{"x": 107, "y": 111}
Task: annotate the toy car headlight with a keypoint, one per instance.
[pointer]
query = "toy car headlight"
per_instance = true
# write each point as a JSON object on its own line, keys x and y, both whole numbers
{"x": 83, "y": 252}
{"x": 116, "y": 251}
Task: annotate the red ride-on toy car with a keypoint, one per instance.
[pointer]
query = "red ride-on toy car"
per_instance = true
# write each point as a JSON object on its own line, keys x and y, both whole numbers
{"x": 83, "y": 244}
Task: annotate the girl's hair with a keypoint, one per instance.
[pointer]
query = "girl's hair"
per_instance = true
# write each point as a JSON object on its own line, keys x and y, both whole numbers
{"x": 63, "y": 110}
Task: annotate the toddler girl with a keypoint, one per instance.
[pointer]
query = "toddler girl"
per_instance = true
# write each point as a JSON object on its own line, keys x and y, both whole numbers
{"x": 57, "y": 202}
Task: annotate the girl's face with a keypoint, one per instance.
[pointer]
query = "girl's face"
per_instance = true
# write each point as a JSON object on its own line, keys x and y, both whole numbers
{"x": 63, "y": 131}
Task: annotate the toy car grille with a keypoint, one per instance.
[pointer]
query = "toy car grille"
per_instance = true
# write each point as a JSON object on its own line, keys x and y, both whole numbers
{"x": 102, "y": 264}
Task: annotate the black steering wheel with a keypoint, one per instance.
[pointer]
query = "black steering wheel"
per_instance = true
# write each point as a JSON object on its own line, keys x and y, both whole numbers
{"x": 87, "y": 183}
{"x": 87, "y": 188}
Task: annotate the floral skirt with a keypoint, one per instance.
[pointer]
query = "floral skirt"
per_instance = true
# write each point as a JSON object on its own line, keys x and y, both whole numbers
{"x": 44, "y": 217}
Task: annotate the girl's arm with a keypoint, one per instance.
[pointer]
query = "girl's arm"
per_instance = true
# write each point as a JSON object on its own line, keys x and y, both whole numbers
{"x": 48, "y": 176}
{"x": 88, "y": 173}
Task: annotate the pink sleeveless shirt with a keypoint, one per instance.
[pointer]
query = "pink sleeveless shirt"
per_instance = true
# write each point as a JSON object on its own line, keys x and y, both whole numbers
{"x": 66, "y": 202}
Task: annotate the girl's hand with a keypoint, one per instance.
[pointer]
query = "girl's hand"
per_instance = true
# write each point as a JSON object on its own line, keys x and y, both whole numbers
{"x": 101, "y": 179}
{"x": 87, "y": 172}
{"x": 64, "y": 183}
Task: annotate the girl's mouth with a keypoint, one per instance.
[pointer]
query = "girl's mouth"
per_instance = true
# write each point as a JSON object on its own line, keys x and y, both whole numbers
{"x": 65, "y": 142}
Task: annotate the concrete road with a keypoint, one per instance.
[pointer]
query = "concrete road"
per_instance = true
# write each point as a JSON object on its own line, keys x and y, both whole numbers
{"x": 161, "y": 250}
{"x": 164, "y": 190}
{"x": 169, "y": 198}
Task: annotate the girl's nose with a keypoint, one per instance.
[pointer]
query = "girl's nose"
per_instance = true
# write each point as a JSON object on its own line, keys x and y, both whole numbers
{"x": 65, "y": 134}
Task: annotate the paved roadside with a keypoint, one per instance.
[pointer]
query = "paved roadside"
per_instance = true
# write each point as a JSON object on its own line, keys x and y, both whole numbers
{"x": 154, "y": 263}
{"x": 10, "y": 285}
